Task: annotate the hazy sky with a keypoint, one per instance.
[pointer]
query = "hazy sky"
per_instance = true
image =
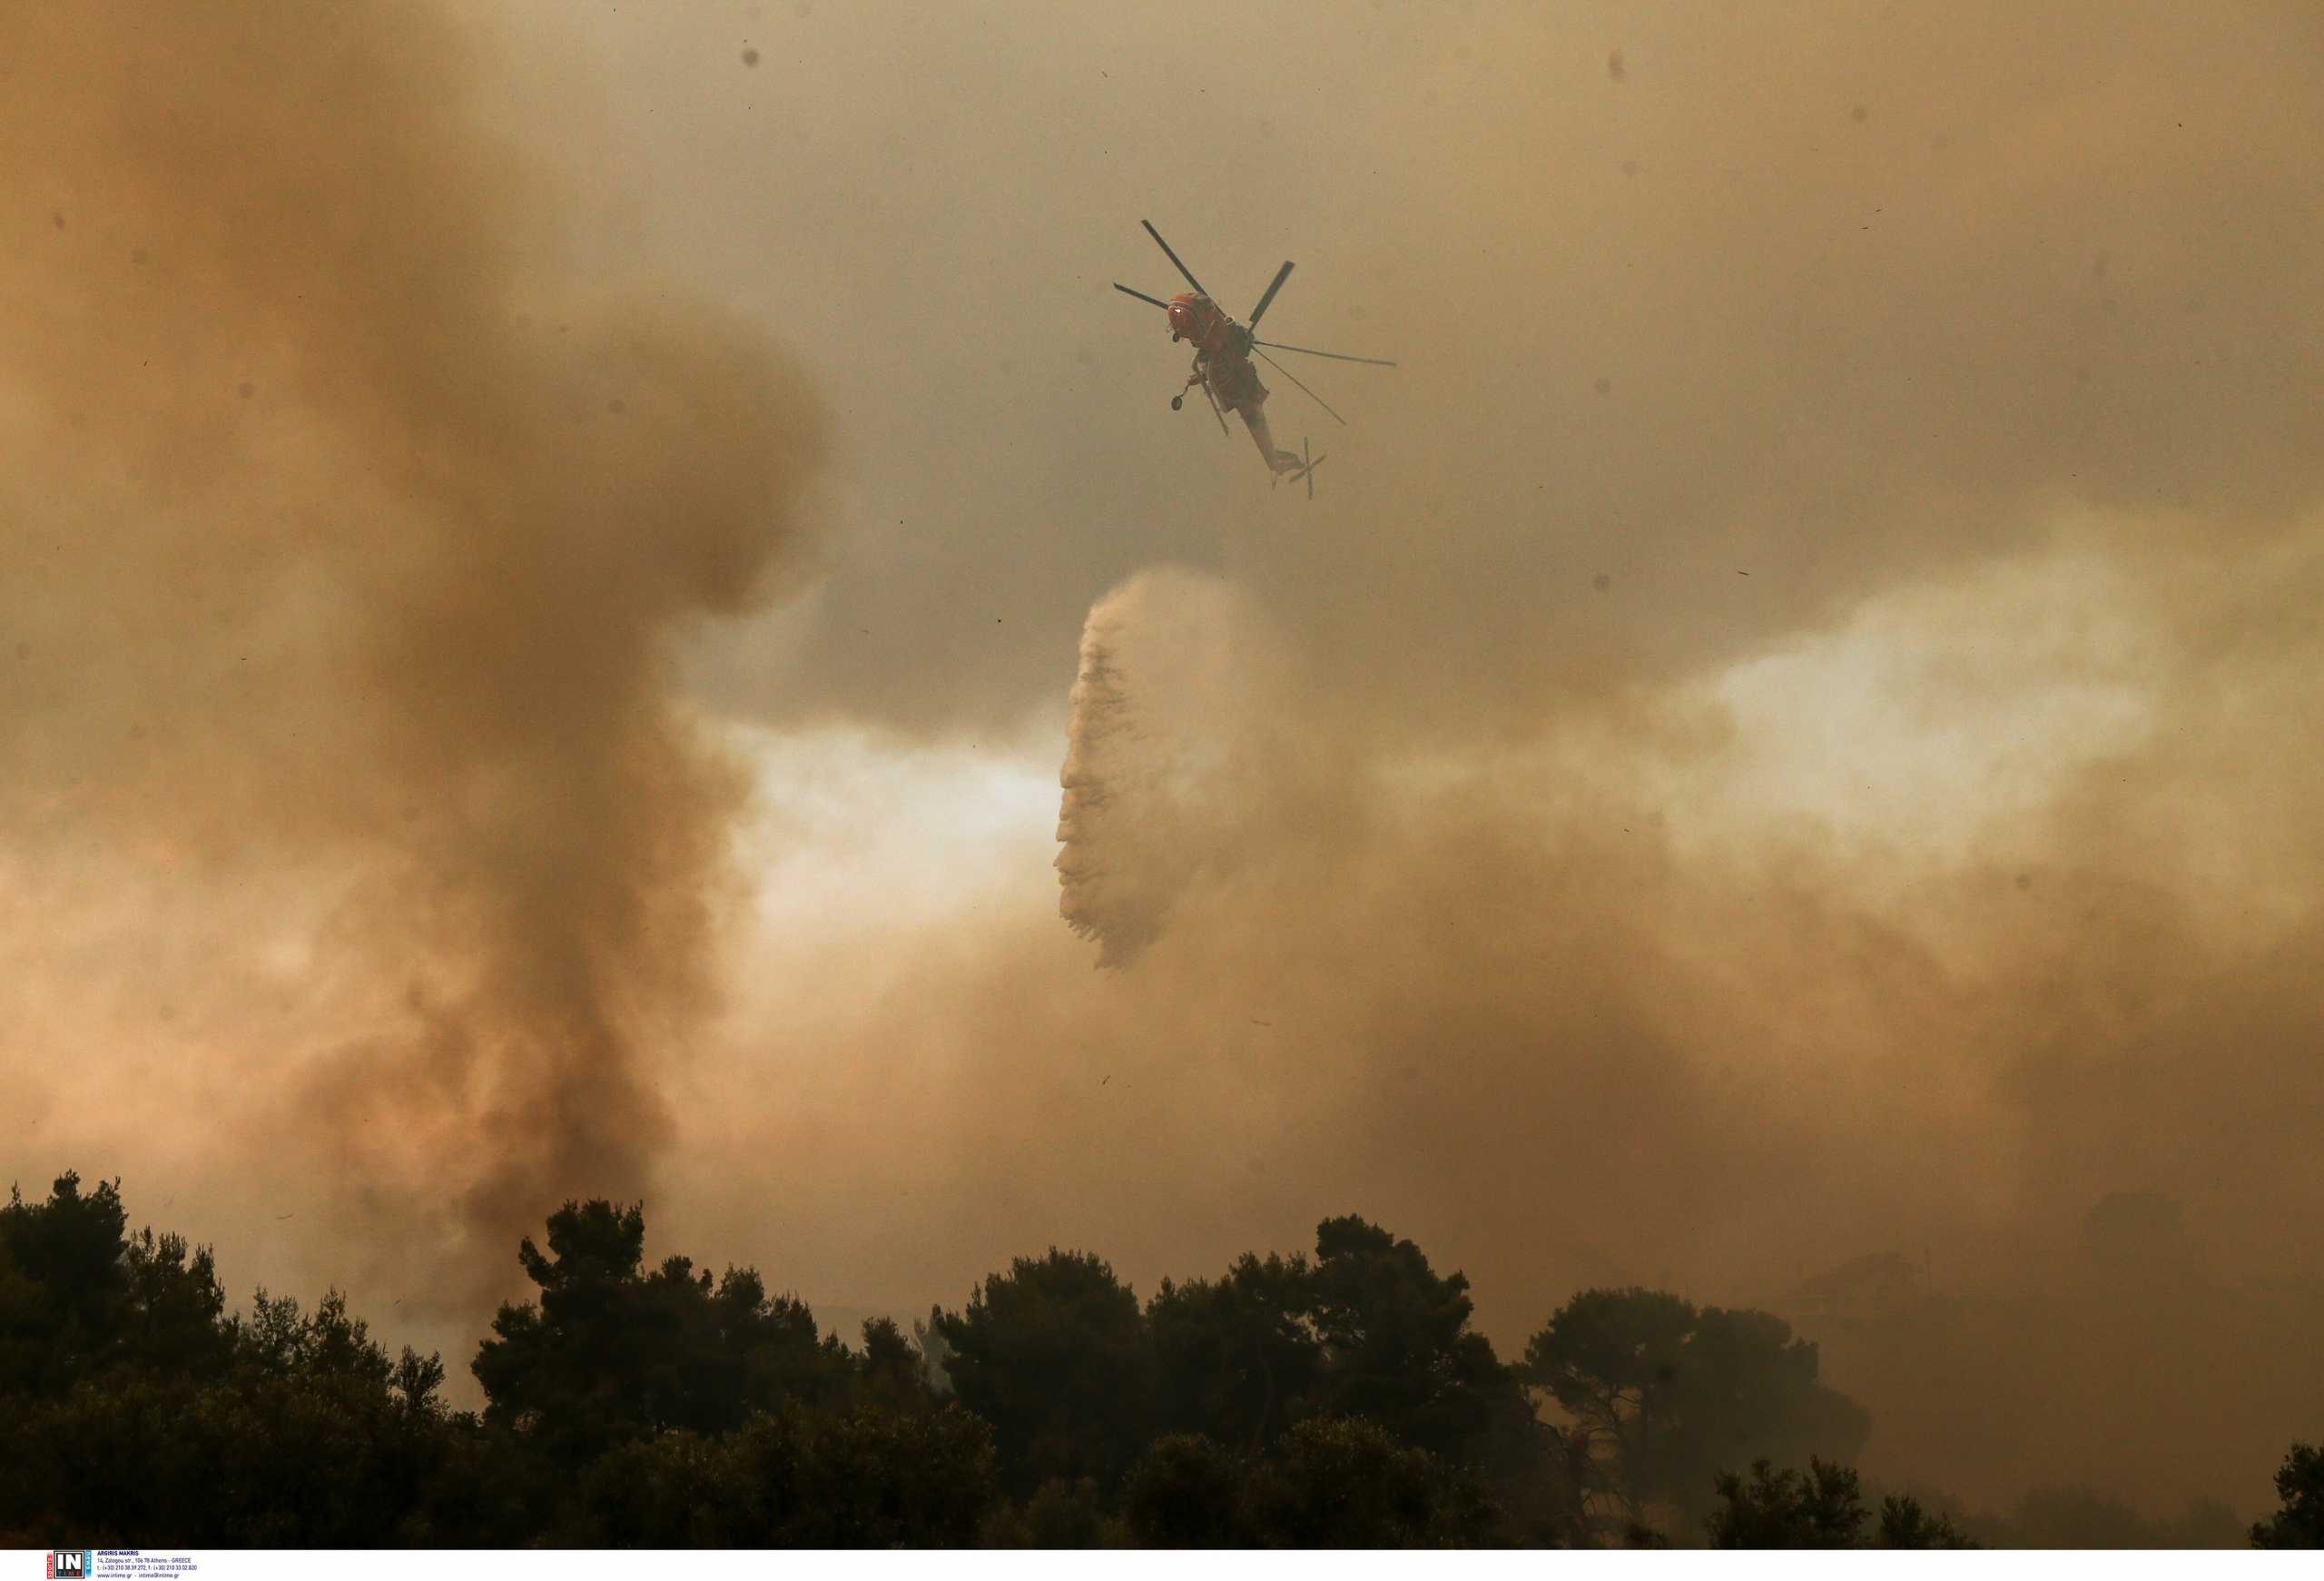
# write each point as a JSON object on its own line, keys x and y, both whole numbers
{"x": 542, "y": 589}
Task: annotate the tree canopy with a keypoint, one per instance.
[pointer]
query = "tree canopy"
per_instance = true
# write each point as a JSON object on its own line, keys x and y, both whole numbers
{"x": 1335, "y": 1397}
{"x": 1668, "y": 1395}
{"x": 1054, "y": 1354}
{"x": 1821, "y": 1507}
{"x": 2299, "y": 1523}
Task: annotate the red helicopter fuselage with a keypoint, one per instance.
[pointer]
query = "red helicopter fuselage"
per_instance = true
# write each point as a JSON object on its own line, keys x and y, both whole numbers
{"x": 1223, "y": 367}
{"x": 1222, "y": 351}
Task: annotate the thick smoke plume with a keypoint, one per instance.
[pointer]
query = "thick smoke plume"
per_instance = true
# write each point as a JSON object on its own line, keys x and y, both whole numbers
{"x": 341, "y": 553}
{"x": 1796, "y": 751}
{"x": 1984, "y": 1099}
{"x": 1785, "y": 737}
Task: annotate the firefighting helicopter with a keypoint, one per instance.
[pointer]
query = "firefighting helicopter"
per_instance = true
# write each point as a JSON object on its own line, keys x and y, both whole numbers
{"x": 1223, "y": 353}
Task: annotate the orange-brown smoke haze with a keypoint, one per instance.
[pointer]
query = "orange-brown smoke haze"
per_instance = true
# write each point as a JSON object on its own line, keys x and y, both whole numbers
{"x": 1787, "y": 735}
{"x": 339, "y": 576}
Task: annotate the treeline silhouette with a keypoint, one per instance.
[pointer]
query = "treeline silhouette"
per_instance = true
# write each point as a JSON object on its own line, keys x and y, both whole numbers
{"x": 1341, "y": 1399}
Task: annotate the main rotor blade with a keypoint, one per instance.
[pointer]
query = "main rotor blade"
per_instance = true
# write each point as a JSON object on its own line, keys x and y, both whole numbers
{"x": 1172, "y": 256}
{"x": 1334, "y": 356}
{"x": 1280, "y": 276}
{"x": 1141, "y": 296}
{"x": 1287, "y": 373}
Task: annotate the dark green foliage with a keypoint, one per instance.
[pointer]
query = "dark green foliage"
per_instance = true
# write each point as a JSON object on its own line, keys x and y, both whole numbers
{"x": 1904, "y": 1524}
{"x": 891, "y": 1367}
{"x": 1346, "y": 1483}
{"x": 676, "y": 1491}
{"x": 135, "y": 1408}
{"x": 1061, "y": 1514}
{"x": 1398, "y": 1348}
{"x": 139, "y": 1413}
{"x": 297, "y": 1440}
{"x": 1366, "y": 1329}
{"x": 78, "y": 1296}
{"x": 872, "y": 1477}
{"x": 1329, "y": 1482}
{"x": 1342, "y": 1401}
{"x": 702, "y": 1411}
{"x": 1054, "y": 1355}
{"x": 610, "y": 1353}
{"x": 70, "y": 1246}
{"x": 1186, "y": 1493}
{"x": 1540, "y": 1479}
{"x": 881, "y": 1477}
{"x": 2299, "y": 1487}
{"x": 1822, "y": 1508}
{"x": 1236, "y": 1357}
{"x": 1668, "y": 1395}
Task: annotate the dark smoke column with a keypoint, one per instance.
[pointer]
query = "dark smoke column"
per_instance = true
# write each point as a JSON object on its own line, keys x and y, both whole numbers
{"x": 362, "y": 553}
